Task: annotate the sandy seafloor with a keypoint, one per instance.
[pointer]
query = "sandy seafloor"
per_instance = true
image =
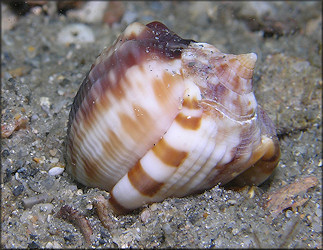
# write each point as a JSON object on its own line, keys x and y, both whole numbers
{"x": 40, "y": 76}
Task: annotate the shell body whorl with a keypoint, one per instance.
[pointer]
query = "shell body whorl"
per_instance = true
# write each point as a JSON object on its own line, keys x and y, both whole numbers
{"x": 160, "y": 116}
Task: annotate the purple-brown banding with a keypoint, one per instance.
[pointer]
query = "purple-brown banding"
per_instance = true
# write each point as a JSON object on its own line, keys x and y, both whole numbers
{"x": 192, "y": 123}
{"x": 143, "y": 182}
{"x": 191, "y": 103}
{"x": 169, "y": 155}
{"x": 138, "y": 127}
{"x": 166, "y": 41}
{"x": 162, "y": 86}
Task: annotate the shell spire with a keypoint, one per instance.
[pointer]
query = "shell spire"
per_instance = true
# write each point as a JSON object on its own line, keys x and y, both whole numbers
{"x": 248, "y": 60}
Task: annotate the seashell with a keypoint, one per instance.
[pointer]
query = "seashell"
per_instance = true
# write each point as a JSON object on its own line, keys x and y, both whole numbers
{"x": 56, "y": 171}
{"x": 159, "y": 116}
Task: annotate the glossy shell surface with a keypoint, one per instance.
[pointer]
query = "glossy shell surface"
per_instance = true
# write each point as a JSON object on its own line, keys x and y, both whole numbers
{"x": 159, "y": 116}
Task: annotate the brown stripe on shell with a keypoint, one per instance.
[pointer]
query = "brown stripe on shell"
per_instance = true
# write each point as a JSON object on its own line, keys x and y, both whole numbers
{"x": 139, "y": 126}
{"x": 142, "y": 181}
{"x": 191, "y": 103}
{"x": 230, "y": 81}
{"x": 113, "y": 146}
{"x": 162, "y": 85}
{"x": 90, "y": 168}
{"x": 98, "y": 108}
{"x": 74, "y": 145}
{"x": 187, "y": 122}
{"x": 116, "y": 206}
{"x": 169, "y": 155}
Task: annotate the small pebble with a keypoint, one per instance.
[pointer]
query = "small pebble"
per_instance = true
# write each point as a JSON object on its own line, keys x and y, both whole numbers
{"x": 89, "y": 206}
{"x": 145, "y": 215}
{"x": 46, "y": 207}
{"x": 69, "y": 238}
{"x": 34, "y": 117}
{"x": 5, "y": 153}
{"x": 65, "y": 82}
{"x": 167, "y": 229}
{"x": 56, "y": 171}
{"x": 7, "y": 177}
{"x": 232, "y": 202}
{"x": 79, "y": 192}
{"x": 44, "y": 101}
{"x": 49, "y": 245}
{"x": 235, "y": 231}
{"x": 318, "y": 211}
{"x": 75, "y": 33}
{"x": 288, "y": 213}
{"x": 30, "y": 201}
{"x": 56, "y": 244}
{"x": 53, "y": 152}
{"x": 33, "y": 245}
{"x": 153, "y": 207}
{"x": 18, "y": 190}
{"x": 54, "y": 160}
